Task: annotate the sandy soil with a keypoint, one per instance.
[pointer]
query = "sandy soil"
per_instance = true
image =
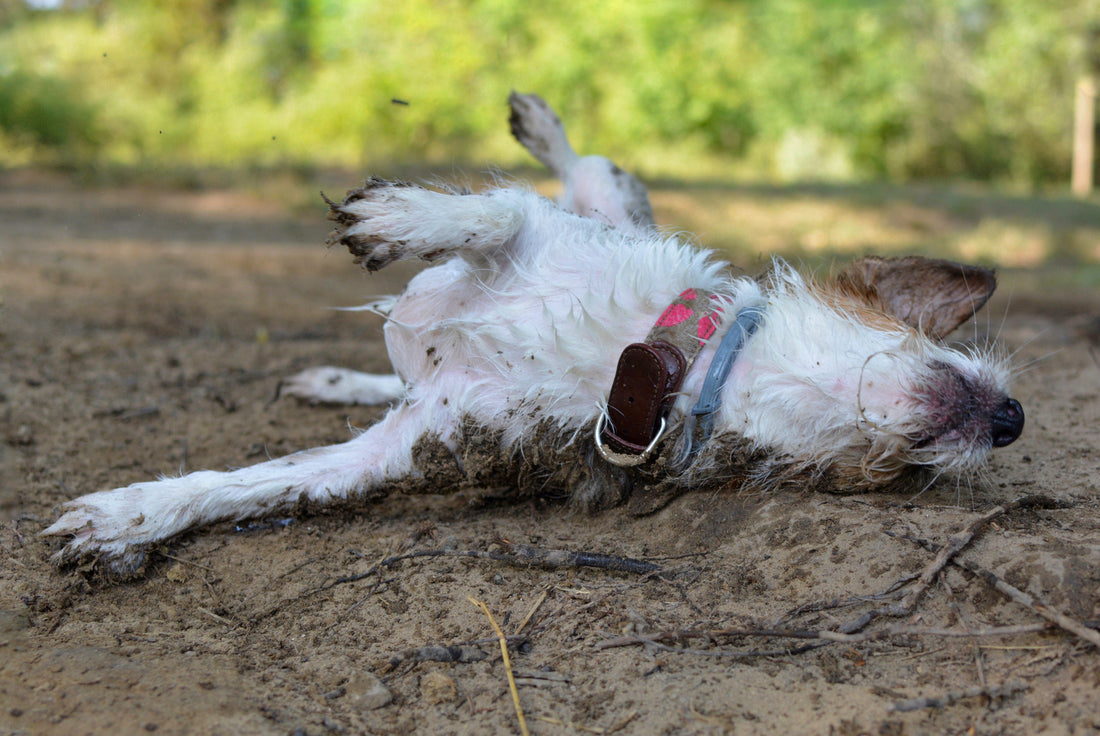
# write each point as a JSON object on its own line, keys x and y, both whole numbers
{"x": 144, "y": 331}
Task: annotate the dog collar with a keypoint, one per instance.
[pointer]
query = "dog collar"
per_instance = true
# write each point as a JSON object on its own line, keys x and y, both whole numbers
{"x": 649, "y": 375}
{"x": 710, "y": 396}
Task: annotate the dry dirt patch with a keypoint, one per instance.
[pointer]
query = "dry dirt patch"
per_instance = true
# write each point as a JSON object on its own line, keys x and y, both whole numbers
{"x": 143, "y": 332}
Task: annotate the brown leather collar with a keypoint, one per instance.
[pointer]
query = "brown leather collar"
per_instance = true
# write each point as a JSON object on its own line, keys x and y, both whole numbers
{"x": 650, "y": 373}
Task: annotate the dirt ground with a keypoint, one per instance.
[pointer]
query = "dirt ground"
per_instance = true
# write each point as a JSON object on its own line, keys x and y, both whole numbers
{"x": 144, "y": 331}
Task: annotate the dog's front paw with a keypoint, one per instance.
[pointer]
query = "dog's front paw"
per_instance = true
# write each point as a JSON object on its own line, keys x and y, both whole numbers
{"x": 328, "y": 385}
{"x": 105, "y": 527}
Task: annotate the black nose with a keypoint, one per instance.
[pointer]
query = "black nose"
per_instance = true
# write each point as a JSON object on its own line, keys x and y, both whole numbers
{"x": 1008, "y": 422}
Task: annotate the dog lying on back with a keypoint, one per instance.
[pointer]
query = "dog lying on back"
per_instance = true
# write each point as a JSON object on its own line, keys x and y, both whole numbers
{"x": 573, "y": 350}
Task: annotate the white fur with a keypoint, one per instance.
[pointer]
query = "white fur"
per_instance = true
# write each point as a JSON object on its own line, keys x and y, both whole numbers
{"x": 327, "y": 384}
{"x": 520, "y": 325}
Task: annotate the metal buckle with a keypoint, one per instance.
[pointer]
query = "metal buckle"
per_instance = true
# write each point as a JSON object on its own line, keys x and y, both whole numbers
{"x": 622, "y": 459}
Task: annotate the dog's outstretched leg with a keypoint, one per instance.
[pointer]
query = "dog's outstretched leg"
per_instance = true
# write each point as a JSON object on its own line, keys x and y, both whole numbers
{"x": 385, "y": 221}
{"x": 117, "y": 525}
{"x": 592, "y": 186}
{"x": 326, "y": 384}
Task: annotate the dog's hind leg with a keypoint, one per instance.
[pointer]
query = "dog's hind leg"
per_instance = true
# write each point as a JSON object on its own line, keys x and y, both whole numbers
{"x": 329, "y": 385}
{"x": 538, "y": 129}
{"x": 384, "y": 221}
{"x": 592, "y": 186}
{"x": 117, "y": 525}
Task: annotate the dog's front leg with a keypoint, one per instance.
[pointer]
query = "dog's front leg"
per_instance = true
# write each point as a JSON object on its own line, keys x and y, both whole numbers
{"x": 116, "y": 525}
{"x": 385, "y": 221}
{"x": 327, "y": 384}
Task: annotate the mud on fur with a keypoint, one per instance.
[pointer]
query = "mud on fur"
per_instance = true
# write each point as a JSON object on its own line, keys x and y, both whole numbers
{"x": 505, "y": 351}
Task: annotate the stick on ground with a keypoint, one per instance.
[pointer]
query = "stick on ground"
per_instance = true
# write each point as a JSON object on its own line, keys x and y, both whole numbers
{"x": 947, "y": 699}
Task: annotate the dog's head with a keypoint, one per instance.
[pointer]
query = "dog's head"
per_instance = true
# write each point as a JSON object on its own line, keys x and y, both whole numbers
{"x": 850, "y": 376}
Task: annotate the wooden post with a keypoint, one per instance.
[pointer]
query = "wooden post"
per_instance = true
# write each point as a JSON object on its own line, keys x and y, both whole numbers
{"x": 1084, "y": 132}
{"x": 1084, "y": 117}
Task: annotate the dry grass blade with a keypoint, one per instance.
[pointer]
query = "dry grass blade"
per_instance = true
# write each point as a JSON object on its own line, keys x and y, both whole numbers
{"x": 507, "y": 664}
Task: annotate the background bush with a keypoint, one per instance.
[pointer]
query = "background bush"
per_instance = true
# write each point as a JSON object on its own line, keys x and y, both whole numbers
{"x": 777, "y": 89}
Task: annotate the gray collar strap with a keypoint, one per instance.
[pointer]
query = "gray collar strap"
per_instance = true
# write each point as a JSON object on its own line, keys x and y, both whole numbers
{"x": 710, "y": 397}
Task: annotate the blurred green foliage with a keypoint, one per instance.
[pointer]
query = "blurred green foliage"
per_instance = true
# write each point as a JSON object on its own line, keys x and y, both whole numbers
{"x": 779, "y": 89}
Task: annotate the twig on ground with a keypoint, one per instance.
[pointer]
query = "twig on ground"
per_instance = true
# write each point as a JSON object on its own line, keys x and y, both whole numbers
{"x": 955, "y": 544}
{"x": 1026, "y": 599}
{"x": 1013, "y": 593}
{"x": 823, "y": 637}
{"x": 460, "y": 652}
{"x": 961, "y": 618}
{"x": 514, "y": 554}
{"x": 652, "y": 642}
{"x": 507, "y": 664}
{"x": 216, "y": 617}
{"x": 1004, "y": 691}
{"x": 187, "y": 562}
{"x": 893, "y": 592}
{"x": 437, "y": 653}
{"x": 852, "y": 630}
{"x": 538, "y": 604}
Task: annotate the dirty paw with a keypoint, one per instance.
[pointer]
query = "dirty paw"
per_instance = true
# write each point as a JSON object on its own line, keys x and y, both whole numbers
{"x": 538, "y": 129}
{"x": 104, "y": 527}
{"x": 368, "y": 223}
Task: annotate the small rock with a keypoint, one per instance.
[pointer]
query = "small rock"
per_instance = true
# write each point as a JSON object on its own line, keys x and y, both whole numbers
{"x": 366, "y": 692}
{"x": 437, "y": 687}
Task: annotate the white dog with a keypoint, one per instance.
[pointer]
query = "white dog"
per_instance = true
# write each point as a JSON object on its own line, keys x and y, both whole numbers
{"x": 574, "y": 350}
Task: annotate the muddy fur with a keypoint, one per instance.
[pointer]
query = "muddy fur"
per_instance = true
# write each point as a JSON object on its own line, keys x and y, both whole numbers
{"x": 561, "y": 465}
{"x": 553, "y": 465}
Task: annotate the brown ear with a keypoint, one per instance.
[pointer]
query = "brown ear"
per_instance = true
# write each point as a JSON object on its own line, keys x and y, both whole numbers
{"x": 931, "y": 295}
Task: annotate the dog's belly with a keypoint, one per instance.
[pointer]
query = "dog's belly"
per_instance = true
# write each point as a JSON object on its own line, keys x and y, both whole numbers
{"x": 417, "y": 340}
{"x": 531, "y": 344}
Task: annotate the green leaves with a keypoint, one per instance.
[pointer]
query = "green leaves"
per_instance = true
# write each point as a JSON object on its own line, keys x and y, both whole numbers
{"x": 789, "y": 89}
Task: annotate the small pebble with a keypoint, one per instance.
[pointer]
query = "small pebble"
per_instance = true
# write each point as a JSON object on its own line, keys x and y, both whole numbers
{"x": 366, "y": 692}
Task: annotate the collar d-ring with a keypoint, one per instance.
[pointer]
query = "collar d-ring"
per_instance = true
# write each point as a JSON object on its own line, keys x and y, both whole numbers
{"x": 622, "y": 459}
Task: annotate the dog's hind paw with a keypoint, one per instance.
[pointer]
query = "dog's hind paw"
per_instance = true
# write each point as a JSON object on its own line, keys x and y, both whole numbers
{"x": 382, "y": 222}
{"x": 328, "y": 385}
{"x": 538, "y": 129}
{"x": 362, "y": 225}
